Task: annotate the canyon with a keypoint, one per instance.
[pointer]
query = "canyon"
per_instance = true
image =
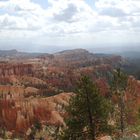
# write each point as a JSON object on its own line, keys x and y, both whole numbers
{"x": 37, "y": 88}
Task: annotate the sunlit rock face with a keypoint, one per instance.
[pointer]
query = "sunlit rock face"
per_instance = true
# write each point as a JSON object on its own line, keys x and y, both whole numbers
{"x": 8, "y": 92}
{"x": 9, "y": 72}
{"x": 15, "y": 69}
{"x": 17, "y": 115}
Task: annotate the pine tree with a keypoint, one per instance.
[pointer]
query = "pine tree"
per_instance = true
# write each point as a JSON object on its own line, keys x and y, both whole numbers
{"x": 118, "y": 87}
{"x": 87, "y": 113}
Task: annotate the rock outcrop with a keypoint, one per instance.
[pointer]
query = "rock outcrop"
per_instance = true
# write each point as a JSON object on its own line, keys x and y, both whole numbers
{"x": 105, "y": 138}
{"x": 19, "y": 115}
{"x": 133, "y": 99}
{"x": 15, "y": 69}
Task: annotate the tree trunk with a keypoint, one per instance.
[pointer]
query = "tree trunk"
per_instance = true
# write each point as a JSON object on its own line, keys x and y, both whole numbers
{"x": 122, "y": 114}
{"x": 91, "y": 121}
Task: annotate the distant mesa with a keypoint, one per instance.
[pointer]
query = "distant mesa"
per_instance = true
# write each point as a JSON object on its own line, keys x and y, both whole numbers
{"x": 72, "y": 51}
{"x": 8, "y": 52}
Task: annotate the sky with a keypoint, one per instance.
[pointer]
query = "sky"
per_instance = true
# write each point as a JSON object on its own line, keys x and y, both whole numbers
{"x": 43, "y": 25}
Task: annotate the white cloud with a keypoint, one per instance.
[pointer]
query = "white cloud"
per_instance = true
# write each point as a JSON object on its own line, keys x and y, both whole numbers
{"x": 67, "y": 20}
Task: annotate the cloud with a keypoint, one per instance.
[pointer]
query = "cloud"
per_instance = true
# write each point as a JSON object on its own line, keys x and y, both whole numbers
{"x": 67, "y": 20}
{"x": 20, "y": 15}
{"x": 66, "y": 14}
{"x": 114, "y": 12}
{"x": 129, "y": 7}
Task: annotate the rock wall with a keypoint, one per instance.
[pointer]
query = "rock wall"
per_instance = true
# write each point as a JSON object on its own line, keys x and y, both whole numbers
{"x": 15, "y": 69}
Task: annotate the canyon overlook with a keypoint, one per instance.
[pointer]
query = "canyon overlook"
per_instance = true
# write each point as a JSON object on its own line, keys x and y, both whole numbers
{"x": 38, "y": 88}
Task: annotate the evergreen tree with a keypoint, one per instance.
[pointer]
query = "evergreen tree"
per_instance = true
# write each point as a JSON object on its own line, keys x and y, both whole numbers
{"x": 118, "y": 87}
{"x": 87, "y": 113}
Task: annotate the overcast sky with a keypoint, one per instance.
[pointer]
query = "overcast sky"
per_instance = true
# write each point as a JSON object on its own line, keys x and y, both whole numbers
{"x": 39, "y": 24}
